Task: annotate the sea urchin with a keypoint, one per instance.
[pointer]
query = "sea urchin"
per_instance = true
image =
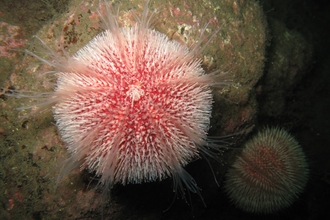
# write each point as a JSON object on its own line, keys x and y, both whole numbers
{"x": 133, "y": 106}
{"x": 269, "y": 174}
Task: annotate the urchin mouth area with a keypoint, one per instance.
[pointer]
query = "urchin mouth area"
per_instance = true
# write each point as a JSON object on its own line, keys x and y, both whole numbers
{"x": 134, "y": 93}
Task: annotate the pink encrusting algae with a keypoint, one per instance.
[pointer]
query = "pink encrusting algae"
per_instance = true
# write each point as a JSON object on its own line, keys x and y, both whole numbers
{"x": 10, "y": 39}
{"x": 133, "y": 106}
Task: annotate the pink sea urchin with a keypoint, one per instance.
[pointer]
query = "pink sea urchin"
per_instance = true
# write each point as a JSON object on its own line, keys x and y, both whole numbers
{"x": 133, "y": 106}
{"x": 269, "y": 174}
